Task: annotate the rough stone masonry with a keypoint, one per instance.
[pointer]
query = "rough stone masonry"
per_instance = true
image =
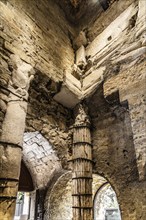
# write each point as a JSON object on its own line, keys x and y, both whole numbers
{"x": 55, "y": 55}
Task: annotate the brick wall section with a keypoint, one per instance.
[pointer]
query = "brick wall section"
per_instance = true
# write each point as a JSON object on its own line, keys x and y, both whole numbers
{"x": 136, "y": 96}
{"x": 40, "y": 158}
{"x": 5, "y": 75}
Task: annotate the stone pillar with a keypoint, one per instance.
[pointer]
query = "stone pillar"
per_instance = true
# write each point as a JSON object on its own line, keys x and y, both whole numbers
{"x": 82, "y": 167}
{"x": 11, "y": 138}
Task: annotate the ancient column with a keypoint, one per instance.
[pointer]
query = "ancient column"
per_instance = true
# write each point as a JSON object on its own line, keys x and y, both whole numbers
{"x": 82, "y": 167}
{"x": 11, "y": 138}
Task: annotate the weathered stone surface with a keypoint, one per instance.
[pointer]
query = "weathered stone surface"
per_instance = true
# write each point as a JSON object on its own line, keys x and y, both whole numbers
{"x": 73, "y": 83}
{"x": 137, "y": 110}
{"x": 94, "y": 78}
{"x": 10, "y": 163}
{"x": 57, "y": 198}
{"x": 48, "y": 117}
{"x": 112, "y": 83}
{"x": 112, "y": 31}
{"x": 80, "y": 40}
{"x": 43, "y": 23}
{"x": 81, "y": 57}
{"x": 67, "y": 98}
{"x": 14, "y": 121}
{"x": 74, "y": 90}
{"x": 5, "y": 75}
{"x": 22, "y": 75}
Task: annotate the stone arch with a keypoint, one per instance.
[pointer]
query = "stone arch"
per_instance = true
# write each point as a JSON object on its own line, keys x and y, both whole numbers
{"x": 40, "y": 158}
{"x": 105, "y": 203}
{"x": 58, "y": 201}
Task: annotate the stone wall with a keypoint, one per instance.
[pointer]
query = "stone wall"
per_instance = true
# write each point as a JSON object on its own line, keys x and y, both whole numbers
{"x": 48, "y": 117}
{"x": 117, "y": 110}
{"x": 58, "y": 201}
{"x": 119, "y": 47}
{"x": 39, "y": 34}
{"x": 115, "y": 45}
{"x": 115, "y": 158}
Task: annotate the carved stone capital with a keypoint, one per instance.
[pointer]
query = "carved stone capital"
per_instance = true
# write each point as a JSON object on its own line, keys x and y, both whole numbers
{"x": 82, "y": 117}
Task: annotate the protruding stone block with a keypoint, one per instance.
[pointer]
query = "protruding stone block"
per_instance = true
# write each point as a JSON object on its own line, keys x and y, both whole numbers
{"x": 81, "y": 57}
{"x": 66, "y": 97}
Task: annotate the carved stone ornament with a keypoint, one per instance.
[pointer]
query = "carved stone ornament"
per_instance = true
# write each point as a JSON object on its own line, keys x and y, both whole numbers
{"x": 77, "y": 72}
{"x": 82, "y": 117}
{"x": 22, "y": 74}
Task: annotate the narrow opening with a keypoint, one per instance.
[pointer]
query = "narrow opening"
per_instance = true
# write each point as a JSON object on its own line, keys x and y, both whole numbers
{"x": 106, "y": 206}
{"x": 109, "y": 38}
{"x": 22, "y": 210}
{"x": 25, "y": 196}
{"x": 104, "y": 4}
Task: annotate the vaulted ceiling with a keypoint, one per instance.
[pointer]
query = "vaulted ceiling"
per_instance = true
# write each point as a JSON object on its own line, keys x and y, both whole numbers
{"x": 76, "y": 10}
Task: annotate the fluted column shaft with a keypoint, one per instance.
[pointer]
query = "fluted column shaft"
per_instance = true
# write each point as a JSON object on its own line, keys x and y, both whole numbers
{"x": 82, "y": 169}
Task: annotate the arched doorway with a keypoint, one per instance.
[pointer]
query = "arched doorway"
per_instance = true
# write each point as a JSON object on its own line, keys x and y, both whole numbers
{"x": 106, "y": 206}
{"x": 25, "y": 203}
{"x": 58, "y": 202}
{"x": 25, "y": 179}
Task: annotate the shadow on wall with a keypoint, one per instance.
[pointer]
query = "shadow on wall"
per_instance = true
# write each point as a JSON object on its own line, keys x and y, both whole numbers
{"x": 113, "y": 147}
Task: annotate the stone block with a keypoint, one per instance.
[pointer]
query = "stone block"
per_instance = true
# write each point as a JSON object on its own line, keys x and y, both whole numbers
{"x": 95, "y": 77}
{"x": 112, "y": 32}
{"x": 66, "y": 98}
{"x": 81, "y": 57}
